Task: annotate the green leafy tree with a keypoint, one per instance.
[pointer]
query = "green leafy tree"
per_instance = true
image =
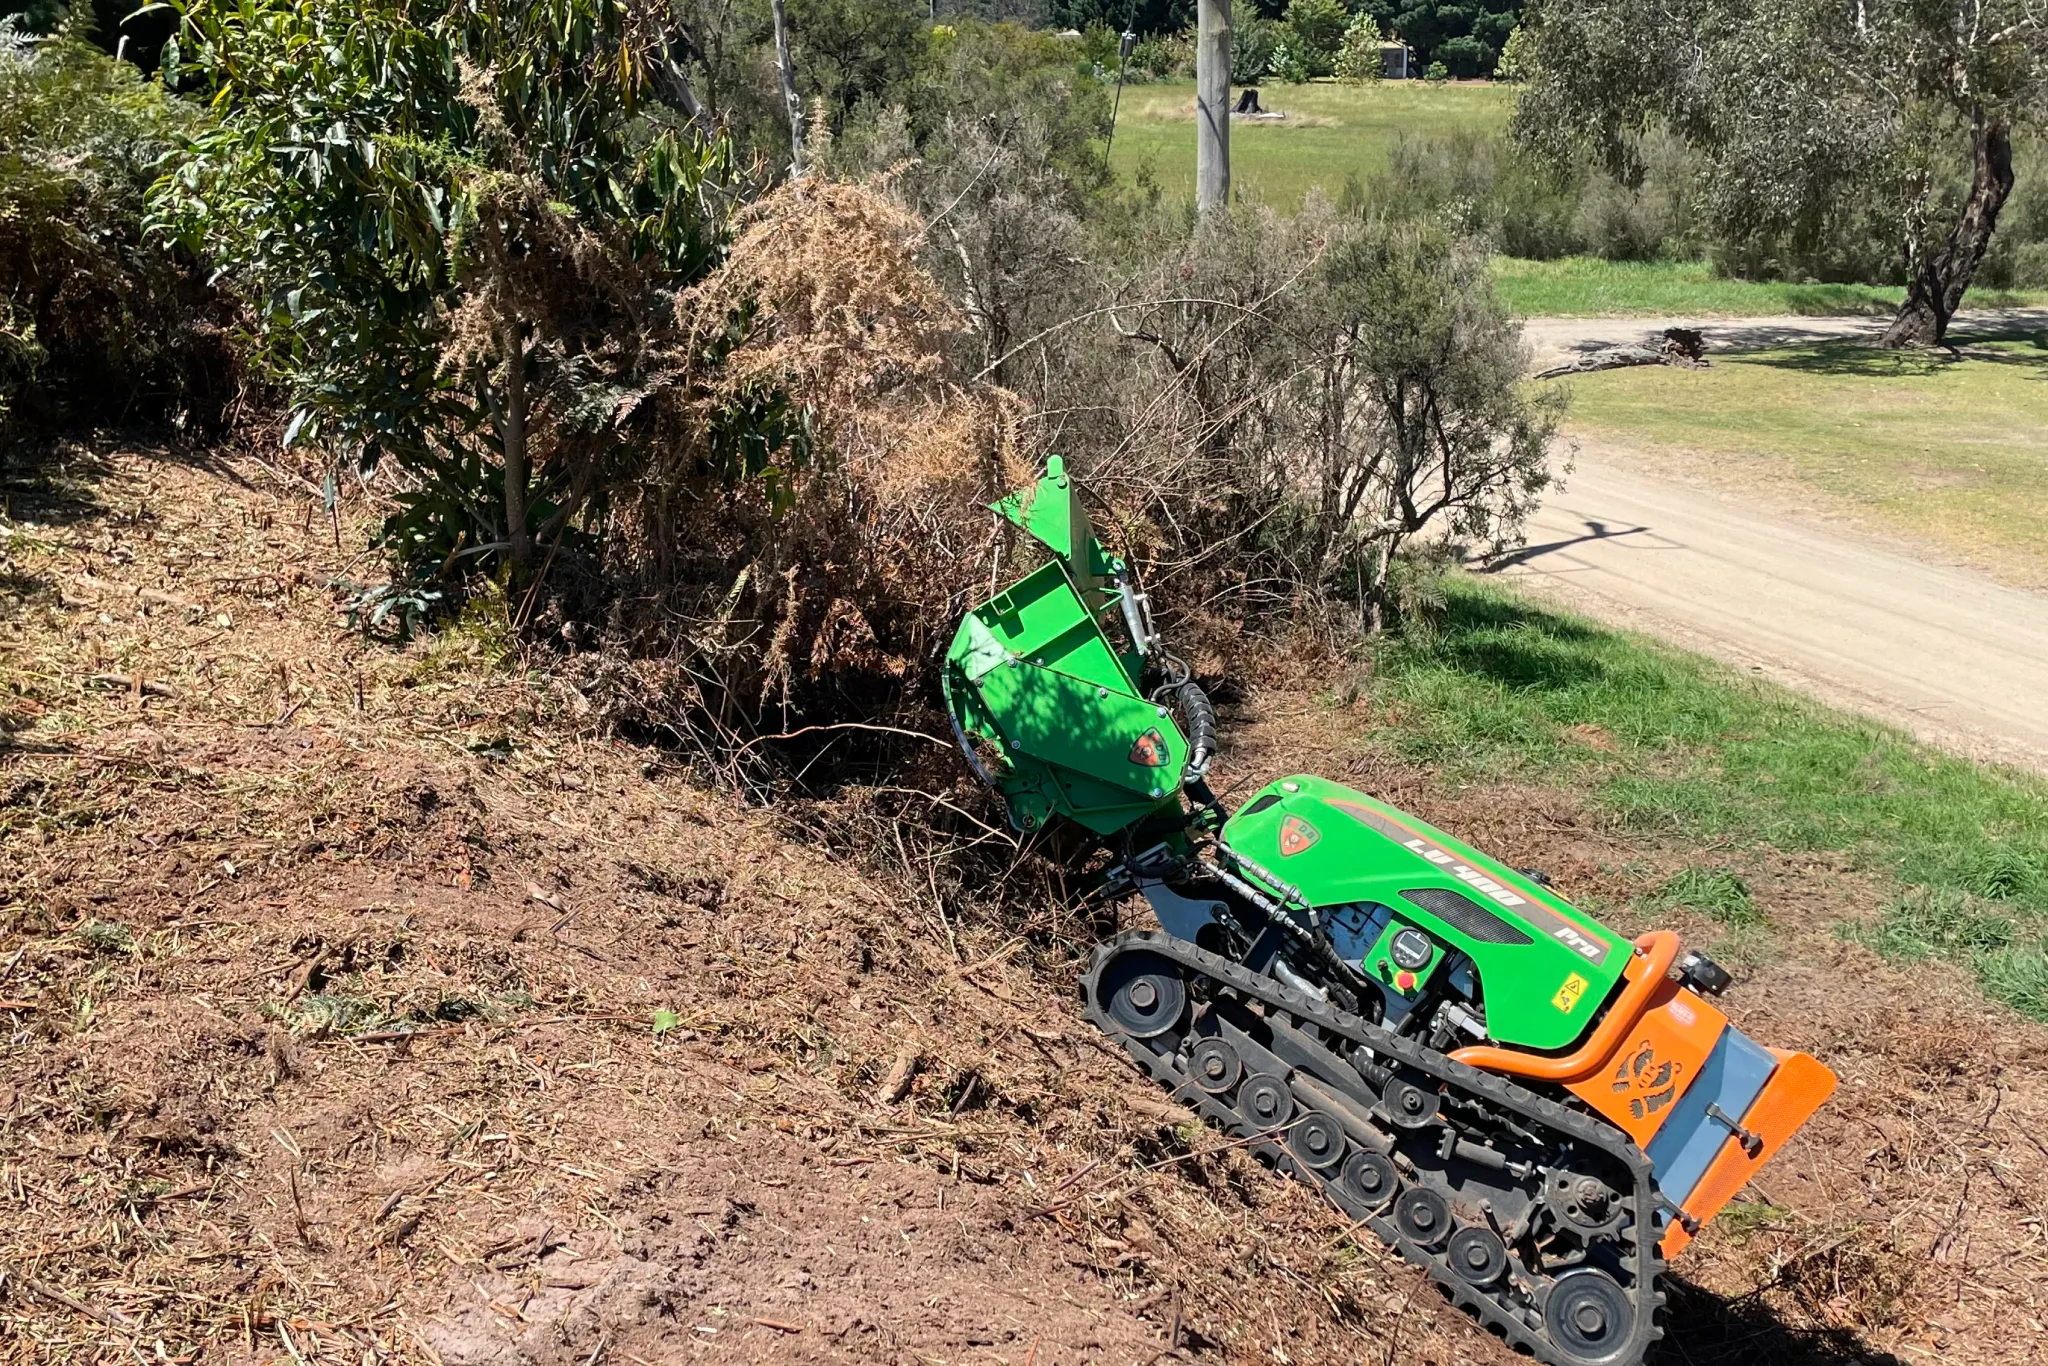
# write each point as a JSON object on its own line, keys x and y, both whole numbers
{"x": 847, "y": 51}
{"x": 1513, "y": 63}
{"x": 1253, "y": 39}
{"x": 96, "y": 318}
{"x": 1315, "y": 31}
{"x": 1465, "y": 35}
{"x": 1811, "y": 120}
{"x": 462, "y": 228}
{"x": 1358, "y": 59}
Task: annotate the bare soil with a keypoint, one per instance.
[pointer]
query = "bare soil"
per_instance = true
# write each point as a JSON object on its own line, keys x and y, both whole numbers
{"x": 362, "y": 1003}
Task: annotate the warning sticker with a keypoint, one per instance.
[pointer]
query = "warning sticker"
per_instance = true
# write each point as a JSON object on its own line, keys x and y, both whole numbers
{"x": 1567, "y": 998}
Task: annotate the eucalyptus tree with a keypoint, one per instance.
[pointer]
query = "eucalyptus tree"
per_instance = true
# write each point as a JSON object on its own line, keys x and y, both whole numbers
{"x": 1811, "y": 117}
{"x": 463, "y": 227}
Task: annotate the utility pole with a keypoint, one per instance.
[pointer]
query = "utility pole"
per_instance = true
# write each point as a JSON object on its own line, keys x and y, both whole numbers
{"x": 1212, "y": 104}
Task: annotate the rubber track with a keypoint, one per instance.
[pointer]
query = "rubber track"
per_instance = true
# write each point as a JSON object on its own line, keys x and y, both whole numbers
{"x": 1502, "y": 1316}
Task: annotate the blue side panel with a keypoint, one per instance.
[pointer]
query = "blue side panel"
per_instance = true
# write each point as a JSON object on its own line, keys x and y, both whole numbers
{"x": 1687, "y": 1143}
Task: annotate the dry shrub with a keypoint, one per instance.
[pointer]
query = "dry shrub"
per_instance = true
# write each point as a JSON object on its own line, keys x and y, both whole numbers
{"x": 814, "y": 571}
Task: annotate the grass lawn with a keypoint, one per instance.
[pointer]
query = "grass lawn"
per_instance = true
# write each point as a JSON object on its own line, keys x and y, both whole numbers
{"x": 1672, "y": 743}
{"x": 1588, "y": 287}
{"x": 1952, "y": 452}
{"x": 1331, "y": 131}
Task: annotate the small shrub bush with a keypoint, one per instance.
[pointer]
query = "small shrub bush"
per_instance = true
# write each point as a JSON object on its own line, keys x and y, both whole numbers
{"x": 1289, "y": 66}
{"x": 1167, "y": 57}
{"x": 98, "y": 320}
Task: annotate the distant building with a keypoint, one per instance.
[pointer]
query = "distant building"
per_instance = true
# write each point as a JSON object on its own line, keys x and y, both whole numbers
{"x": 1395, "y": 63}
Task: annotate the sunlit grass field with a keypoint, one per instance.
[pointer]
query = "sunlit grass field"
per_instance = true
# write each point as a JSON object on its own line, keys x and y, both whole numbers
{"x": 1331, "y": 131}
{"x": 1334, "y": 132}
{"x": 1586, "y": 286}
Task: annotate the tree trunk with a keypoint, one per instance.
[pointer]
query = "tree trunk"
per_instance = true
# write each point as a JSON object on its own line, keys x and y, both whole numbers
{"x": 1936, "y": 289}
{"x": 512, "y": 437}
{"x": 789, "y": 96}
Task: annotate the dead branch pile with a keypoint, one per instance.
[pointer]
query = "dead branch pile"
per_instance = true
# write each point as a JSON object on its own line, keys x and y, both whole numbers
{"x": 806, "y": 527}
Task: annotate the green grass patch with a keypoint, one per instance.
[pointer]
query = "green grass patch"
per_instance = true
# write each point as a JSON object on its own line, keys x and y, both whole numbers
{"x": 2006, "y": 948}
{"x": 1949, "y": 451}
{"x": 1742, "y": 1219}
{"x": 1589, "y": 287}
{"x": 1716, "y": 892}
{"x": 1675, "y": 745}
{"x": 1331, "y": 132}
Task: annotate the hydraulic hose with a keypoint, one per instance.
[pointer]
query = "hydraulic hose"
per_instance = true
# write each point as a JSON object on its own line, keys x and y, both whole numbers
{"x": 1201, "y": 718}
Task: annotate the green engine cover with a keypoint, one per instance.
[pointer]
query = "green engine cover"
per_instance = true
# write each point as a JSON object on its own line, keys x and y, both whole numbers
{"x": 1544, "y": 967}
{"x": 1033, "y": 673}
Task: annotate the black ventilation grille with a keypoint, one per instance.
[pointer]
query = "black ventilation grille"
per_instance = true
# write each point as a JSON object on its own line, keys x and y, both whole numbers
{"x": 1270, "y": 799}
{"x": 1467, "y": 916}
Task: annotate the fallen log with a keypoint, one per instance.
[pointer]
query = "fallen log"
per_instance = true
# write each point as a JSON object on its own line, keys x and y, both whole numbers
{"x": 1682, "y": 346}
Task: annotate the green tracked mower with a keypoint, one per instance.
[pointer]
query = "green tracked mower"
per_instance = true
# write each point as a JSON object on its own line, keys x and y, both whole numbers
{"x": 1536, "y": 1110}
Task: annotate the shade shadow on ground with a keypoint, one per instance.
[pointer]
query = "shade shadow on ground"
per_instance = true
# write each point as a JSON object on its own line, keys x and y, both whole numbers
{"x": 1859, "y": 358}
{"x": 1702, "y": 1328}
{"x": 1595, "y": 531}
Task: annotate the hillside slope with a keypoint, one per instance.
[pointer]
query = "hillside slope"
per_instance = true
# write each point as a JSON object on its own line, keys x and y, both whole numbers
{"x": 364, "y": 1004}
{"x": 333, "y": 974}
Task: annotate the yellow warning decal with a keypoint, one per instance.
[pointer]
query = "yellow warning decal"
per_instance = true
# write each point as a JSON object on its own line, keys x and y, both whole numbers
{"x": 1567, "y": 998}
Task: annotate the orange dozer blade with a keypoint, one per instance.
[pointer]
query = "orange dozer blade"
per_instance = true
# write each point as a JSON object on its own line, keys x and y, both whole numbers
{"x": 1798, "y": 1086}
{"x": 1706, "y": 1103}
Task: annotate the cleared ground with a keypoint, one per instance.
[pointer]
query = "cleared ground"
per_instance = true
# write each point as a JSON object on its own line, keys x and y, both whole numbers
{"x": 364, "y": 1003}
{"x": 1331, "y": 131}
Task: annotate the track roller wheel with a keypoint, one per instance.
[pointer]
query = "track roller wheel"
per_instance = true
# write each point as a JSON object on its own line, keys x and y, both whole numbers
{"x": 1408, "y": 1105}
{"x": 1145, "y": 994}
{"x": 1477, "y": 1255}
{"x": 1215, "y": 1066}
{"x": 1316, "y": 1140}
{"x": 1369, "y": 1178}
{"x": 1588, "y": 1315}
{"x": 1266, "y": 1101}
{"x": 1423, "y": 1216}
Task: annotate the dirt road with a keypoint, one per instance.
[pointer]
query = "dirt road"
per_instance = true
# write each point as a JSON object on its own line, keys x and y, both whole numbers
{"x": 1557, "y": 340}
{"x": 1944, "y": 652}
{"x": 1879, "y": 627}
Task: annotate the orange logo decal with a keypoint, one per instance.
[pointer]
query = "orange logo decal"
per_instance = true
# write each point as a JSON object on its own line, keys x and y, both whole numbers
{"x": 1296, "y": 835}
{"x": 1654, "y": 1083}
{"x": 1150, "y": 751}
